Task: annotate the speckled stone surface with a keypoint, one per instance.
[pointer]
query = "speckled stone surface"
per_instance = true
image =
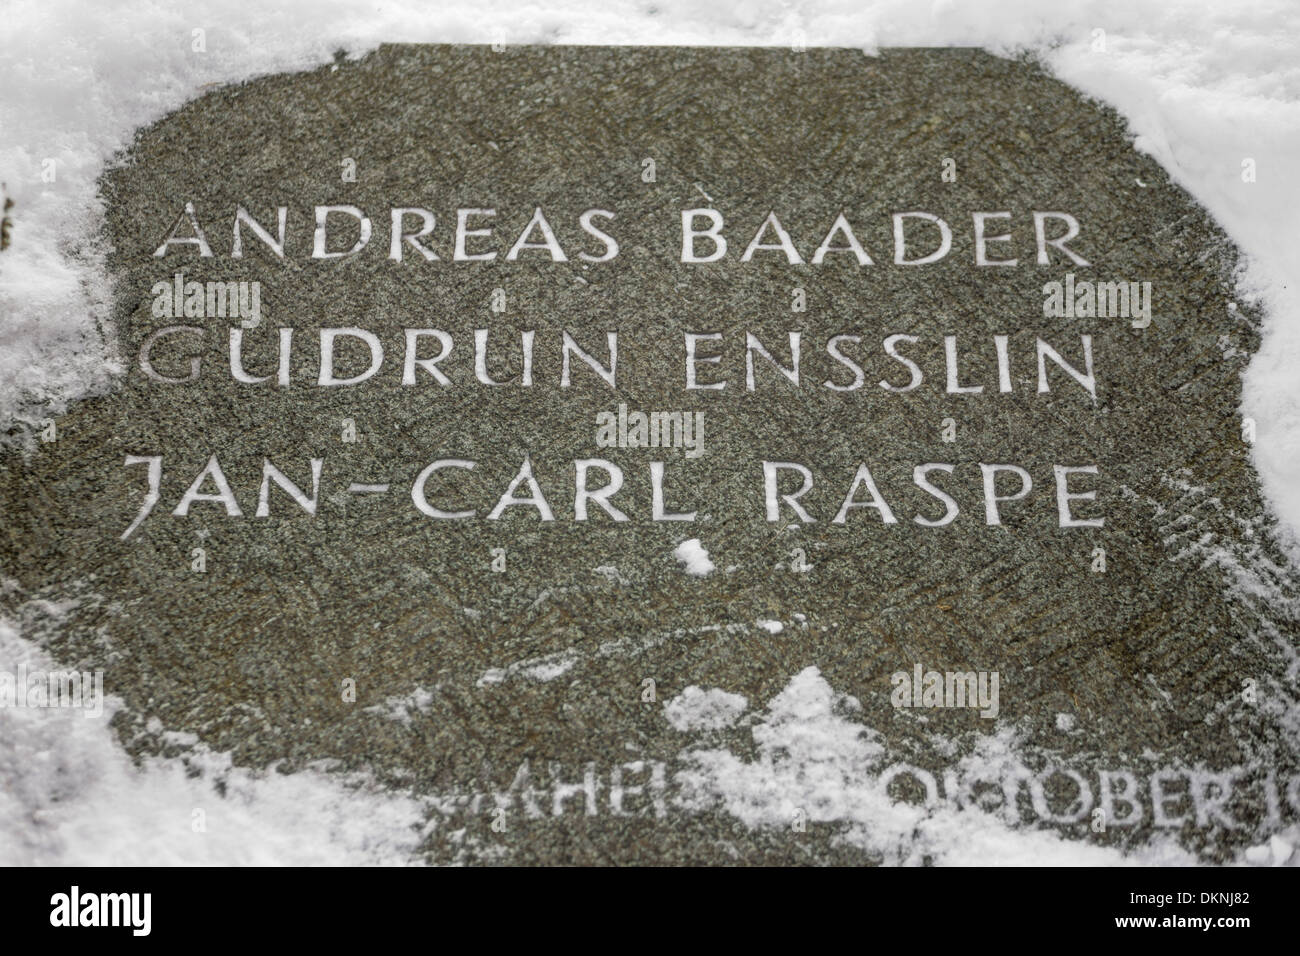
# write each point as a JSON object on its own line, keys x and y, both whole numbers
{"x": 1147, "y": 659}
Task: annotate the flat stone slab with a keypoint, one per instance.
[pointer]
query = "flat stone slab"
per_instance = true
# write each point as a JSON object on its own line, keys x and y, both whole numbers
{"x": 491, "y": 594}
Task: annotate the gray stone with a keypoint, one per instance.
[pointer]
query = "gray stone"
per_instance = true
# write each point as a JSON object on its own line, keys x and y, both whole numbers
{"x": 545, "y": 662}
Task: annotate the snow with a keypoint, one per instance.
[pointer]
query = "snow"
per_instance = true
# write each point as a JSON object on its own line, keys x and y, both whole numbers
{"x": 698, "y": 709}
{"x": 815, "y": 763}
{"x": 1276, "y": 852}
{"x": 694, "y": 559}
{"x": 1203, "y": 86}
{"x": 400, "y": 708}
{"x": 71, "y": 796}
{"x": 545, "y": 668}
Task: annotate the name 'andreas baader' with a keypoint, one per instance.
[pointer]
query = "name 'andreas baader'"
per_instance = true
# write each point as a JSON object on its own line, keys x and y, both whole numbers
{"x": 918, "y": 238}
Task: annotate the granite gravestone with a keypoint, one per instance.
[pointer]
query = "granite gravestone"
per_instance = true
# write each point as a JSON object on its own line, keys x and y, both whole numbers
{"x": 549, "y": 430}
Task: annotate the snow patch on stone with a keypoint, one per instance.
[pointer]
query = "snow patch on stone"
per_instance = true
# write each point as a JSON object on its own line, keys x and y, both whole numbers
{"x": 699, "y": 709}
{"x": 694, "y": 559}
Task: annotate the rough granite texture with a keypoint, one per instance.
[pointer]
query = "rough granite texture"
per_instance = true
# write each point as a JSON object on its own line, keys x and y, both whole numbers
{"x": 1148, "y": 657}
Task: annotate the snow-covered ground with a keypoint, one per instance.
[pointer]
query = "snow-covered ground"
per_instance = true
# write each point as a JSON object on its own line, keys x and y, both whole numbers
{"x": 1204, "y": 86}
{"x": 70, "y": 795}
